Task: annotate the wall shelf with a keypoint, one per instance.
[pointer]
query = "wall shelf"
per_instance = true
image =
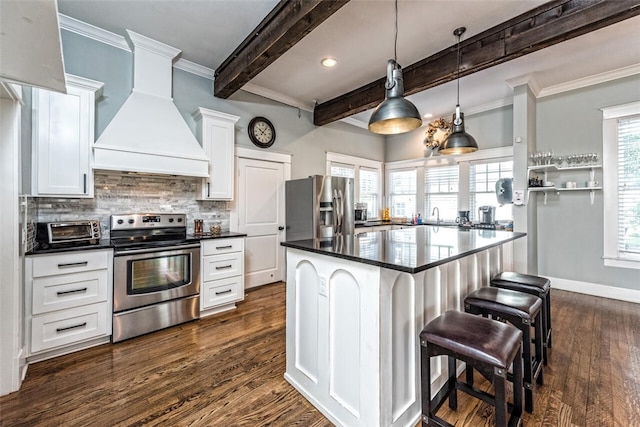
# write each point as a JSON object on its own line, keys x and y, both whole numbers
{"x": 544, "y": 169}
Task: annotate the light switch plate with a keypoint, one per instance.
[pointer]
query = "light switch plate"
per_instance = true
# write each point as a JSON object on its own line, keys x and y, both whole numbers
{"x": 323, "y": 287}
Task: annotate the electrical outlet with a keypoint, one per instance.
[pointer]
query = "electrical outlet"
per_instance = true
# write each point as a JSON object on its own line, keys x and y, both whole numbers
{"x": 323, "y": 287}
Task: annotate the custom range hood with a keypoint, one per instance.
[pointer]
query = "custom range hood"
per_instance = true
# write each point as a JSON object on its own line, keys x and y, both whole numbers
{"x": 148, "y": 134}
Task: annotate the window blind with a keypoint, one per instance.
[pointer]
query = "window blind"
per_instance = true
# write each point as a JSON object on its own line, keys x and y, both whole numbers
{"x": 483, "y": 177}
{"x": 402, "y": 192}
{"x": 441, "y": 186}
{"x": 339, "y": 169}
{"x": 370, "y": 190}
{"x": 629, "y": 185}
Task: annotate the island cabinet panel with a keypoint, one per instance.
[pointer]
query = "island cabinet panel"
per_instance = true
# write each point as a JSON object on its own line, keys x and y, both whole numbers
{"x": 345, "y": 352}
{"x": 306, "y": 325}
{"x": 353, "y": 330}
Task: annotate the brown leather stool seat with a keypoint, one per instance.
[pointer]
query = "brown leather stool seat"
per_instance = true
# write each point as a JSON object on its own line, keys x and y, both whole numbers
{"x": 484, "y": 344}
{"x": 534, "y": 285}
{"x": 522, "y": 311}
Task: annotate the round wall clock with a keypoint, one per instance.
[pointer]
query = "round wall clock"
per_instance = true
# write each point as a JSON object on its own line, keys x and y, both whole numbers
{"x": 261, "y": 132}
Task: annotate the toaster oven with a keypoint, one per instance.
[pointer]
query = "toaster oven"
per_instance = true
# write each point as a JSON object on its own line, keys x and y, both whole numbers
{"x": 68, "y": 233}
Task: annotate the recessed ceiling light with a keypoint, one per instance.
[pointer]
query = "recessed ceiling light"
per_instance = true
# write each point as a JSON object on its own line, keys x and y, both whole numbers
{"x": 329, "y": 62}
{"x": 428, "y": 115}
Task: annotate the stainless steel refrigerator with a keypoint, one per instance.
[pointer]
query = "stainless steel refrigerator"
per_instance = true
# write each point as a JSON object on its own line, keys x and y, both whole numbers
{"x": 319, "y": 207}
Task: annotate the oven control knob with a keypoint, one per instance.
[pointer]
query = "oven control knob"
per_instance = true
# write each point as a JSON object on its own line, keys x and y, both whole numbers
{"x": 170, "y": 219}
{"x": 120, "y": 221}
{"x": 131, "y": 221}
{"x": 179, "y": 219}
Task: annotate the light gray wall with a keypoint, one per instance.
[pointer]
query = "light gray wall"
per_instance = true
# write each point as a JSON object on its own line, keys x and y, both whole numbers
{"x": 295, "y": 132}
{"x": 491, "y": 129}
{"x": 570, "y": 229}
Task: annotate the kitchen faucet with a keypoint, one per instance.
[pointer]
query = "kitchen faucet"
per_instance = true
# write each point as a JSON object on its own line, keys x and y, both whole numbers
{"x": 435, "y": 209}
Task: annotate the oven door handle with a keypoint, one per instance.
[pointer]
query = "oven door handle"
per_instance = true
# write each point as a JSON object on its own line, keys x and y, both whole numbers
{"x": 156, "y": 249}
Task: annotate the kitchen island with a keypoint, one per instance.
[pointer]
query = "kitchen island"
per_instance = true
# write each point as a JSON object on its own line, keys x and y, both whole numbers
{"x": 355, "y": 307}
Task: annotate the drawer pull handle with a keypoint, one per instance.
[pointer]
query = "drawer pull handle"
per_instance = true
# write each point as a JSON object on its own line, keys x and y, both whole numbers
{"x": 224, "y": 267}
{"x": 228, "y": 291}
{"x": 224, "y": 247}
{"x": 72, "y": 292}
{"x": 81, "y": 325}
{"x": 73, "y": 264}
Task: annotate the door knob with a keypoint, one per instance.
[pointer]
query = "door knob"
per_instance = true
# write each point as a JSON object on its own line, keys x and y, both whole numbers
{"x": 281, "y": 228}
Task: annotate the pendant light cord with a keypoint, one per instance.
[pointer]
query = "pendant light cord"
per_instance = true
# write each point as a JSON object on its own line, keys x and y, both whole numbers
{"x": 395, "y": 40}
{"x": 458, "y": 72}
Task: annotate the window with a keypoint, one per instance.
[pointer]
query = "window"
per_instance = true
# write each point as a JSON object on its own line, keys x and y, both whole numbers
{"x": 402, "y": 192}
{"x": 367, "y": 177}
{"x": 441, "y": 191}
{"x": 482, "y": 189}
{"x": 369, "y": 183}
{"x": 447, "y": 182}
{"x": 621, "y": 169}
{"x": 347, "y": 171}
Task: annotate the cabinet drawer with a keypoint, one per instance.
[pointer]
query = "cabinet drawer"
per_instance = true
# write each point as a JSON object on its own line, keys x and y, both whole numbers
{"x": 220, "y": 292}
{"x": 221, "y": 266}
{"x": 222, "y": 246}
{"x": 48, "y": 265}
{"x": 63, "y": 291}
{"x": 69, "y": 326}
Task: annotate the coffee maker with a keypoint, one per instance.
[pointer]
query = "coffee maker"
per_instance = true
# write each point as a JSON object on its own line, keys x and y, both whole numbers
{"x": 360, "y": 213}
{"x": 463, "y": 219}
{"x": 487, "y": 214}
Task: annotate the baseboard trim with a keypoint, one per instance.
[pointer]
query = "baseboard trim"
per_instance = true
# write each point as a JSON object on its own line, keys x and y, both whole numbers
{"x": 596, "y": 289}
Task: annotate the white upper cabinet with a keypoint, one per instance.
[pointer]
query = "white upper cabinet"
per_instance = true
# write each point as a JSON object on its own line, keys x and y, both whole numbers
{"x": 216, "y": 133}
{"x": 63, "y": 136}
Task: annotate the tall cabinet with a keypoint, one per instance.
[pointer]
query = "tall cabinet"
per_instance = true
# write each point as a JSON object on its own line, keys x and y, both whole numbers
{"x": 63, "y": 136}
{"x": 216, "y": 133}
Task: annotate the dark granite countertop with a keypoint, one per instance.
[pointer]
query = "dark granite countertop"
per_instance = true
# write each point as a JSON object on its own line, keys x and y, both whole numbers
{"x": 106, "y": 243}
{"x": 411, "y": 249}
{"x": 209, "y": 236}
{"x": 102, "y": 244}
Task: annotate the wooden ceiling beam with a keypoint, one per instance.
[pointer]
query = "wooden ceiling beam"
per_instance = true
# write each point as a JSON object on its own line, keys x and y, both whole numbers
{"x": 544, "y": 26}
{"x": 288, "y": 23}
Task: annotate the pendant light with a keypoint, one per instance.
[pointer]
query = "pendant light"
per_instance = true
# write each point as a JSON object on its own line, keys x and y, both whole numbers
{"x": 395, "y": 114}
{"x": 459, "y": 141}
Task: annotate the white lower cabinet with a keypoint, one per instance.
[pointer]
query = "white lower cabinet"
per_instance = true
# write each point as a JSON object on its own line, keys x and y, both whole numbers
{"x": 67, "y": 301}
{"x": 222, "y": 275}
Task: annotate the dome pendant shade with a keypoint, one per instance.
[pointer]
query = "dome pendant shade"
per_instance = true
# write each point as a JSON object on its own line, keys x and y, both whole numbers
{"x": 459, "y": 141}
{"x": 395, "y": 114}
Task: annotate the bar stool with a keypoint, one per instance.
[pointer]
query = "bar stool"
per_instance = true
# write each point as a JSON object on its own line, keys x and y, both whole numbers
{"x": 534, "y": 285}
{"x": 484, "y": 344}
{"x": 522, "y": 311}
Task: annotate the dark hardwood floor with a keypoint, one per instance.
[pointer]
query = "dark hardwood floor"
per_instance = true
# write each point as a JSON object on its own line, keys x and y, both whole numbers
{"x": 227, "y": 370}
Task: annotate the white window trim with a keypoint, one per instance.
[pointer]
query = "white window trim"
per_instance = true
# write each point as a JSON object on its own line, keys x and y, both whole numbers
{"x": 358, "y": 162}
{"x": 610, "y": 118}
{"x": 463, "y": 161}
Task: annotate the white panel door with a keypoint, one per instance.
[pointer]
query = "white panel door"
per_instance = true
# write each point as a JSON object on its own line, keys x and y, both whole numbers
{"x": 261, "y": 217}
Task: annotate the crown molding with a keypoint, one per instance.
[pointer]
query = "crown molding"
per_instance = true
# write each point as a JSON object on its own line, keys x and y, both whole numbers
{"x": 504, "y": 102}
{"x": 103, "y": 36}
{"x": 193, "y": 68}
{"x": 595, "y": 79}
{"x": 277, "y": 96}
{"x": 526, "y": 79}
{"x": 355, "y": 122}
{"x": 90, "y": 31}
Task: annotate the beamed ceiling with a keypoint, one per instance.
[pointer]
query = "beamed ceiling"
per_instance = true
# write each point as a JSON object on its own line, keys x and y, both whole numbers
{"x": 274, "y": 48}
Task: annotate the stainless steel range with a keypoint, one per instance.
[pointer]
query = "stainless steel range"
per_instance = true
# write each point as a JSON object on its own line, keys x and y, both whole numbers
{"x": 156, "y": 279}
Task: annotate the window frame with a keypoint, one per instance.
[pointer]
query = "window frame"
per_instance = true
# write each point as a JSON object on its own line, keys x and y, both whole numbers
{"x": 357, "y": 163}
{"x": 610, "y": 117}
{"x": 473, "y": 212}
{"x": 463, "y": 161}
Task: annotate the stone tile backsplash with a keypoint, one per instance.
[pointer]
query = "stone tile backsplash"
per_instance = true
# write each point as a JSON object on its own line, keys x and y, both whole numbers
{"x": 118, "y": 192}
